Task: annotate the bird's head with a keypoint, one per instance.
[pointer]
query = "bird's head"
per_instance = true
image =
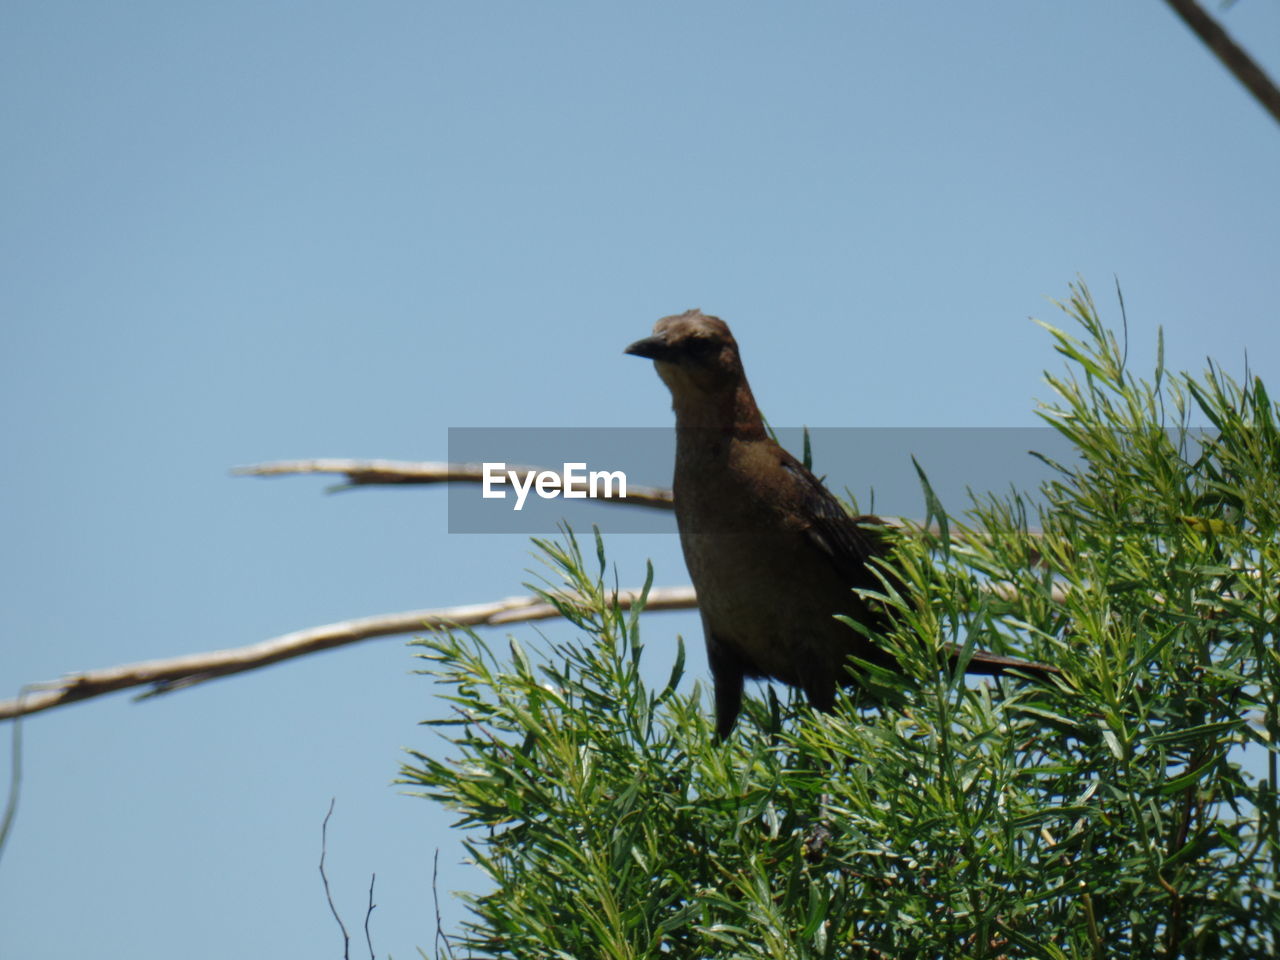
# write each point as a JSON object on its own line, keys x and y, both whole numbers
{"x": 695, "y": 355}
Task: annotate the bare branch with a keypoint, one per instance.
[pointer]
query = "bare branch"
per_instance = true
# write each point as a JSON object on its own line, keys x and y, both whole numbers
{"x": 324, "y": 843}
{"x": 395, "y": 472}
{"x": 368, "y": 938}
{"x": 361, "y": 473}
{"x": 1244, "y": 67}
{"x": 178, "y": 672}
{"x": 441, "y": 937}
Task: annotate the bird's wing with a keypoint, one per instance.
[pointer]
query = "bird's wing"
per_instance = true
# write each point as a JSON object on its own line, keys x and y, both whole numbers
{"x": 848, "y": 542}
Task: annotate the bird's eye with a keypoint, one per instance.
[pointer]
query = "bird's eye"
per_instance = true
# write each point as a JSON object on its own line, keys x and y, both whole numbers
{"x": 701, "y": 346}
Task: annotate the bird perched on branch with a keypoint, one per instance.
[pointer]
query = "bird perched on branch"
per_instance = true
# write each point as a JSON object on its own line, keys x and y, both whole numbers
{"x": 772, "y": 554}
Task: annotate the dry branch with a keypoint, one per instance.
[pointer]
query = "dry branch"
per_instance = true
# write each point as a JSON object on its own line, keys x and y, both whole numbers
{"x": 1232, "y": 55}
{"x": 175, "y": 673}
{"x": 361, "y": 473}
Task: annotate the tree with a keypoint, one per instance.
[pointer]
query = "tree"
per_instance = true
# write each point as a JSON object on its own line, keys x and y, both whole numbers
{"x": 1111, "y": 814}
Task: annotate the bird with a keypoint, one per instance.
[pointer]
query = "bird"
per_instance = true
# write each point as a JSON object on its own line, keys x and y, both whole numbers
{"x": 773, "y": 555}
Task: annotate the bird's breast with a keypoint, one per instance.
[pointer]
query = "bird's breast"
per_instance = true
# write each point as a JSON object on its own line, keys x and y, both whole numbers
{"x": 764, "y": 590}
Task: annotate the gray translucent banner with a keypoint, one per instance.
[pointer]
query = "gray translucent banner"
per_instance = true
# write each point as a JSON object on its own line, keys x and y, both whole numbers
{"x": 871, "y": 466}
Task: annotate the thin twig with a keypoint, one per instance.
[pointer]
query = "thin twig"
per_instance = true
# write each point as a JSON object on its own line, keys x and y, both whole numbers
{"x": 441, "y": 936}
{"x": 324, "y": 843}
{"x": 361, "y": 473}
{"x": 175, "y": 673}
{"x": 1232, "y": 55}
{"x": 367, "y": 914}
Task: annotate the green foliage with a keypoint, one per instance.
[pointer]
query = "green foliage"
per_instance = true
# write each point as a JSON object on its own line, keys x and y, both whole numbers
{"x": 1109, "y": 814}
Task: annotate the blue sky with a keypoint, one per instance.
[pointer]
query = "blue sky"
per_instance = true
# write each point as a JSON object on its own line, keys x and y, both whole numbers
{"x": 245, "y": 231}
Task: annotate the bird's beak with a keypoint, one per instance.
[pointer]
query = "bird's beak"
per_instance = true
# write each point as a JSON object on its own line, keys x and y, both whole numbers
{"x": 651, "y": 348}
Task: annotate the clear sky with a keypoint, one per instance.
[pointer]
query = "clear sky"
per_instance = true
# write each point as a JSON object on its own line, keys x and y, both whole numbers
{"x": 243, "y": 231}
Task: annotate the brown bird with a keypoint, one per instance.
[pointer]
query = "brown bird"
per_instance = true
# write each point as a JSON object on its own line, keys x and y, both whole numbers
{"x": 772, "y": 554}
